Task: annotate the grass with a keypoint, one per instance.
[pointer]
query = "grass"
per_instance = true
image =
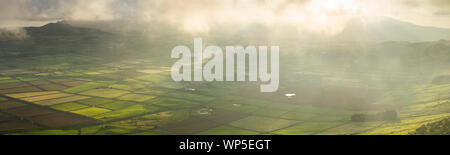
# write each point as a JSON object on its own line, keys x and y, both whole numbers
{"x": 430, "y": 104}
{"x": 91, "y": 111}
{"x": 116, "y": 105}
{"x": 262, "y": 124}
{"x": 227, "y": 130}
{"x": 152, "y": 71}
{"x": 27, "y": 78}
{"x": 23, "y": 95}
{"x": 136, "y": 97}
{"x": 136, "y": 124}
{"x": 129, "y": 87}
{"x": 351, "y": 128}
{"x": 168, "y": 117}
{"x": 95, "y": 101}
{"x": 128, "y": 112}
{"x": 92, "y": 130}
{"x": 404, "y": 126}
{"x": 45, "y": 97}
{"x": 152, "y": 132}
{"x": 307, "y": 128}
{"x": 106, "y": 93}
{"x": 85, "y": 87}
{"x": 69, "y": 106}
{"x": 153, "y": 78}
{"x": 324, "y": 116}
{"x": 271, "y": 112}
{"x": 7, "y": 80}
{"x": 192, "y": 97}
{"x": 61, "y": 100}
{"x": 106, "y": 129}
{"x": 233, "y": 106}
{"x": 92, "y": 73}
{"x": 114, "y": 130}
{"x": 50, "y": 132}
{"x": 173, "y": 103}
{"x": 171, "y": 85}
{"x": 151, "y": 92}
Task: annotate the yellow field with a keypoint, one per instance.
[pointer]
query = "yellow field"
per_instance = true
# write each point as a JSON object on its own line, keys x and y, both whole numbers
{"x": 62, "y": 100}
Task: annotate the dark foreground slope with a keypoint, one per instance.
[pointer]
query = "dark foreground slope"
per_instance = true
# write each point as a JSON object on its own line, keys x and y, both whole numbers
{"x": 437, "y": 128}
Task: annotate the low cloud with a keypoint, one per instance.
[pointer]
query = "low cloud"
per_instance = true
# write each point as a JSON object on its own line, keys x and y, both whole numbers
{"x": 319, "y": 16}
{"x": 441, "y": 3}
{"x": 13, "y": 34}
{"x": 411, "y": 3}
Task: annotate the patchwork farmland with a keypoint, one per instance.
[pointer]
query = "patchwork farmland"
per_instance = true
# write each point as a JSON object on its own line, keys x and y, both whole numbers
{"x": 138, "y": 97}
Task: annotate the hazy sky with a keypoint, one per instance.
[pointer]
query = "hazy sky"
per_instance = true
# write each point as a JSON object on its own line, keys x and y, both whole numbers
{"x": 199, "y": 15}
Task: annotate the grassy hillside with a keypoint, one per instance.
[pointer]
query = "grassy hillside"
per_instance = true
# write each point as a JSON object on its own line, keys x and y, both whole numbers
{"x": 437, "y": 128}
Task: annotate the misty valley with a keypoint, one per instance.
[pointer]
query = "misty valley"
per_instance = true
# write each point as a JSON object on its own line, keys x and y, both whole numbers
{"x": 234, "y": 60}
{"x": 74, "y": 78}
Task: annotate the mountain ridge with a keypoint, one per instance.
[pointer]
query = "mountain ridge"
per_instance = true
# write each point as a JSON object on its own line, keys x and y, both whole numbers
{"x": 389, "y": 29}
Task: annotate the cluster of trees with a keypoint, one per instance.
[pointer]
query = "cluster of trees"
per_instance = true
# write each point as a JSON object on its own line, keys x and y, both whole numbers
{"x": 383, "y": 116}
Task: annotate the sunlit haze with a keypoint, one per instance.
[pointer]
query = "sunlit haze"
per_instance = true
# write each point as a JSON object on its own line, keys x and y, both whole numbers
{"x": 318, "y": 16}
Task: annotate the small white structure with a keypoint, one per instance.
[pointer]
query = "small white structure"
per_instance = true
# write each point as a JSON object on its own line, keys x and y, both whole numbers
{"x": 290, "y": 95}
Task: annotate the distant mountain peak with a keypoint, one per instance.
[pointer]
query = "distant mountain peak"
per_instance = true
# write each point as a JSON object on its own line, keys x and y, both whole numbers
{"x": 60, "y": 29}
{"x": 56, "y": 25}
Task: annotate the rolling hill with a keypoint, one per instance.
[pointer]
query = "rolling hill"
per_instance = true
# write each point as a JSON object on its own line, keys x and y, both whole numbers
{"x": 388, "y": 29}
{"x": 58, "y": 38}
